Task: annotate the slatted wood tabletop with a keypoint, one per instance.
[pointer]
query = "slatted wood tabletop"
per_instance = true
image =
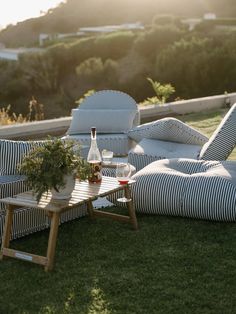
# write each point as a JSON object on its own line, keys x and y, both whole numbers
{"x": 84, "y": 192}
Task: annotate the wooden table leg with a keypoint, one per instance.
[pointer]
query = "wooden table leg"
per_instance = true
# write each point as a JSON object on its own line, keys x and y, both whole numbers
{"x": 7, "y": 229}
{"x": 52, "y": 241}
{"x": 131, "y": 208}
{"x": 90, "y": 209}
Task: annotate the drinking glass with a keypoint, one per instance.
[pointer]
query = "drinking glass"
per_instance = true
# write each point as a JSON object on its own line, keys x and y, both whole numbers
{"x": 107, "y": 156}
{"x": 123, "y": 172}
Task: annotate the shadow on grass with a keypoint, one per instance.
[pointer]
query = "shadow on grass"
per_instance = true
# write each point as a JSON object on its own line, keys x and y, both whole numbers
{"x": 170, "y": 265}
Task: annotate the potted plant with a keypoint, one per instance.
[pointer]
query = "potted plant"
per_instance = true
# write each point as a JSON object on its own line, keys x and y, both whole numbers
{"x": 54, "y": 165}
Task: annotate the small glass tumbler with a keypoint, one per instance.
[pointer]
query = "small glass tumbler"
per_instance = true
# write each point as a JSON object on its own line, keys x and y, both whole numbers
{"x": 107, "y": 156}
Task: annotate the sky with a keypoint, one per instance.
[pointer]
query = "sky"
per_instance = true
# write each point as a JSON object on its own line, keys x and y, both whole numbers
{"x": 13, "y": 11}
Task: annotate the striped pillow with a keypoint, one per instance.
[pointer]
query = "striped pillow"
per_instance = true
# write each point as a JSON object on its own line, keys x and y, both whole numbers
{"x": 168, "y": 129}
{"x": 223, "y": 140}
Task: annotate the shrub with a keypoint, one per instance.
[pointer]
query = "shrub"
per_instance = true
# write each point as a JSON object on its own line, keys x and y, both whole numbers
{"x": 98, "y": 73}
{"x": 114, "y": 45}
{"x": 41, "y": 70}
{"x": 152, "y": 41}
{"x": 163, "y": 92}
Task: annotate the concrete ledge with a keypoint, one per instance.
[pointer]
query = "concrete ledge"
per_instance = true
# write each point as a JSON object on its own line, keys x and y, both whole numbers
{"x": 151, "y": 112}
{"x": 58, "y": 127}
{"x": 35, "y": 130}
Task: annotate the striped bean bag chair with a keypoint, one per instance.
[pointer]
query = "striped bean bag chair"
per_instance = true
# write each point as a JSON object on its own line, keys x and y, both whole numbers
{"x": 171, "y": 138}
{"x": 187, "y": 188}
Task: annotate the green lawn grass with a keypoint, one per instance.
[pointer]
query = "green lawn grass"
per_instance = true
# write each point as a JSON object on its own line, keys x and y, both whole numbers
{"x": 170, "y": 265}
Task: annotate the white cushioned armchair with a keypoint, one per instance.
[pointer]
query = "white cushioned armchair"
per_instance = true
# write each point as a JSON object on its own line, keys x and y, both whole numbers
{"x": 113, "y": 113}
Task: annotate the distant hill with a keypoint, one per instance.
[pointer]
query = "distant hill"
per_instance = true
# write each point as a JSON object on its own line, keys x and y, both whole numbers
{"x": 71, "y": 15}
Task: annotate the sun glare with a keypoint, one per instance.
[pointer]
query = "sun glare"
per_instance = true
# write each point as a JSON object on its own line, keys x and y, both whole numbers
{"x": 13, "y": 11}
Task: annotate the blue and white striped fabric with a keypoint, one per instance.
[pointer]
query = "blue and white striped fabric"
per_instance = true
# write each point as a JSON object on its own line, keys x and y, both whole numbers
{"x": 187, "y": 188}
{"x": 12, "y": 152}
{"x": 168, "y": 129}
{"x": 223, "y": 140}
{"x": 11, "y": 185}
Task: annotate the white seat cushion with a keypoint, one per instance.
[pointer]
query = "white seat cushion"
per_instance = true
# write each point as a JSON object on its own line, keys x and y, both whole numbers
{"x": 149, "y": 150}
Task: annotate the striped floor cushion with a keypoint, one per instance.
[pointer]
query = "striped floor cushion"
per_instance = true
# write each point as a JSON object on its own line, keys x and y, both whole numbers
{"x": 187, "y": 188}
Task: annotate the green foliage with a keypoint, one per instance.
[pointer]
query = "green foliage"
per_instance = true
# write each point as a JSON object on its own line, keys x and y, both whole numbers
{"x": 114, "y": 45}
{"x": 12, "y": 80}
{"x": 93, "y": 69}
{"x": 79, "y": 51}
{"x": 153, "y": 40}
{"x": 45, "y": 166}
{"x": 163, "y": 91}
{"x": 204, "y": 27}
{"x": 41, "y": 70}
{"x": 200, "y": 66}
{"x": 88, "y": 93}
{"x": 166, "y": 19}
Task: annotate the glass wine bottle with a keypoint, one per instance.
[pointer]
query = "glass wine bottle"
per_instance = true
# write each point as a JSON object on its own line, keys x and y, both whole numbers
{"x": 94, "y": 159}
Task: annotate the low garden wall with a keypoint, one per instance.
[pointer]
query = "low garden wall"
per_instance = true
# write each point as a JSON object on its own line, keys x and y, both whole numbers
{"x": 152, "y": 112}
{"x": 58, "y": 127}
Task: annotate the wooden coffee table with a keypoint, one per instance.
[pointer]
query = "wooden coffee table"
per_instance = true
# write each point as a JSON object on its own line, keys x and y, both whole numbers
{"x": 84, "y": 192}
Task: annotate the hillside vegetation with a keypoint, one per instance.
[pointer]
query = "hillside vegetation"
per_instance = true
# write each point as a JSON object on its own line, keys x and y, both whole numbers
{"x": 198, "y": 63}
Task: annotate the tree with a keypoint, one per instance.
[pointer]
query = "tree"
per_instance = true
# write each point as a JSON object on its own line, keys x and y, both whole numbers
{"x": 198, "y": 67}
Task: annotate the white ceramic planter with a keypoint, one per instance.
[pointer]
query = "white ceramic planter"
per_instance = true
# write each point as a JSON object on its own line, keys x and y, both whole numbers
{"x": 65, "y": 193}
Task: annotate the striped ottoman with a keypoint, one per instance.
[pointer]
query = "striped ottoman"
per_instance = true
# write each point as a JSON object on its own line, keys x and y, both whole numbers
{"x": 188, "y": 188}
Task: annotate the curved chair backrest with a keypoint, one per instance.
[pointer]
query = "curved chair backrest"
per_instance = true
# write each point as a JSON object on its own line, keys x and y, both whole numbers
{"x": 111, "y": 99}
{"x": 223, "y": 140}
